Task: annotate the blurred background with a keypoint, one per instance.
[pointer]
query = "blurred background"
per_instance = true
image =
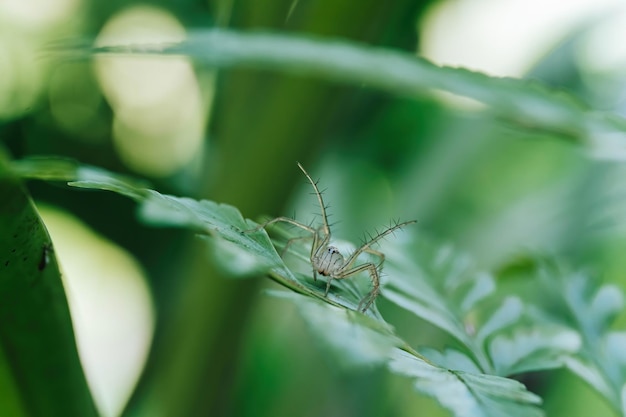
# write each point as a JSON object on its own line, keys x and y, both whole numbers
{"x": 150, "y": 309}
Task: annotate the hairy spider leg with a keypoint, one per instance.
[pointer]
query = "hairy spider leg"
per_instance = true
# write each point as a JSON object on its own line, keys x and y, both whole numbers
{"x": 291, "y": 241}
{"x": 376, "y": 253}
{"x": 374, "y": 276}
{"x": 347, "y": 269}
{"x": 318, "y": 194}
{"x": 285, "y": 220}
{"x": 340, "y": 274}
{"x": 366, "y": 246}
{"x": 315, "y": 246}
{"x": 318, "y": 247}
{"x": 325, "y": 228}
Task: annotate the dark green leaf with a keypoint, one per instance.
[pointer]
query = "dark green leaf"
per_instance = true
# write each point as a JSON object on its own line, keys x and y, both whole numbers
{"x": 36, "y": 334}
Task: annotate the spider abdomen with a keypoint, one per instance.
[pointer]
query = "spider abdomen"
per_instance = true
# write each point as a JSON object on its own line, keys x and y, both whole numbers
{"x": 329, "y": 261}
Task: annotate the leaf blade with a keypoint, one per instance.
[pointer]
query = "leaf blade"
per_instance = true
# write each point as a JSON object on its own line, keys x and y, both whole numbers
{"x": 524, "y": 103}
{"x": 36, "y": 331}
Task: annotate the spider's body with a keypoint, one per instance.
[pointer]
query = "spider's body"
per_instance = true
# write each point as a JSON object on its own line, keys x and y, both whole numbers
{"x": 328, "y": 261}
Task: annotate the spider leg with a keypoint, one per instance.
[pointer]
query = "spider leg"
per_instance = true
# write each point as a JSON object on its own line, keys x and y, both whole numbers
{"x": 327, "y": 286}
{"x": 284, "y": 220}
{"x": 366, "y": 247}
{"x": 317, "y": 243}
{"x": 318, "y": 194}
{"x": 289, "y": 242}
{"x": 376, "y": 253}
{"x": 367, "y": 301}
{"x": 315, "y": 247}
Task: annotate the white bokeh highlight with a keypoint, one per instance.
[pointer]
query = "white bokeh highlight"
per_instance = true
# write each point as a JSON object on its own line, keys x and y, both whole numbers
{"x": 111, "y": 307}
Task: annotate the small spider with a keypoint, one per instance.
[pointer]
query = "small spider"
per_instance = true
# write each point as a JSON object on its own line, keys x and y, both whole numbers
{"x": 326, "y": 260}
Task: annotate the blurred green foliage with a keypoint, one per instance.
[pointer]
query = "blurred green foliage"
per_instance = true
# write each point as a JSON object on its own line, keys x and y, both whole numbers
{"x": 499, "y": 182}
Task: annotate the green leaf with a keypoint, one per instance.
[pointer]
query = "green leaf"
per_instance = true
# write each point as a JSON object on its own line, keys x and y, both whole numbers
{"x": 36, "y": 334}
{"x": 248, "y": 252}
{"x": 507, "y": 314}
{"x": 526, "y": 104}
{"x": 11, "y": 403}
{"x": 450, "y": 359}
{"x": 592, "y": 375}
{"x": 585, "y": 306}
{"x": 468, "y": 394}
{"x": 443, "y": 288}
{"x": 355, "y": 340}
{"x": 95, "y": 178}
{"x": 82, "y": 176}
{"x": 591, "y": 307}
{"x": 434, "y": 283}
{"x": 527, "y": 349}
{"x": 518, "y": 349}
{"x": 45, "y": 168}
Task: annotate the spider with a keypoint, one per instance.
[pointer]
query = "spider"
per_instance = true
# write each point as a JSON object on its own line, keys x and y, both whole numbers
{"x": 328, "y": 261}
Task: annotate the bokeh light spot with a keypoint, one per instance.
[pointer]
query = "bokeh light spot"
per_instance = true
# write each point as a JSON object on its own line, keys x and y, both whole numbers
{"x": 159, "y": 116}
{"x": 501, "y": 37}
{"x": 36, "y": 14}
{"x": 111, "y": 308}
{"x": 21, "y": 76}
